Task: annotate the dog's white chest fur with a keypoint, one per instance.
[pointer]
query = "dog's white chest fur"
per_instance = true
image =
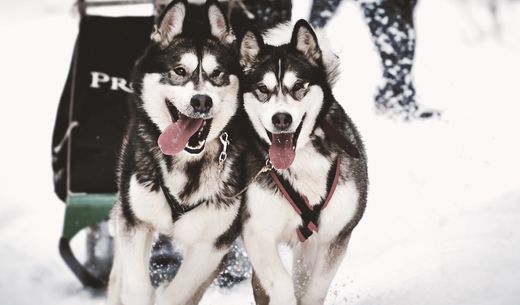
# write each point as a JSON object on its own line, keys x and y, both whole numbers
{"x": 195, "y": 226}
{"x": 309, "y": 174}
{"x": 204, "y": 223}
{"x": 150, "y": 207}
{"x": 274, "y": 215}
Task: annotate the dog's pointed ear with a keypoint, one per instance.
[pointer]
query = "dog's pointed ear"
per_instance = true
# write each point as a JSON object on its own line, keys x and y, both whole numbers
{"x": 304, "y": 40}
{"x": 251, "y": 43}
{"x": 170, "y": 23}
{"x": 218, "y": 23}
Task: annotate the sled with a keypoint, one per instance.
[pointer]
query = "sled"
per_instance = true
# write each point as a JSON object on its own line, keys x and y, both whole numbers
{"x": 90, "y": 123}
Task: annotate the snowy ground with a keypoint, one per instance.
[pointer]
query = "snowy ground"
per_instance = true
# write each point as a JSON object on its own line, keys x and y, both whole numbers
{"x": 444, "y": 203}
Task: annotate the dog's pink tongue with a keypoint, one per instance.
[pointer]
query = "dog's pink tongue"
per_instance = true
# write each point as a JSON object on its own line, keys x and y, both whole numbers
{"x": 281, "y": 152}
{"x": 175, "y": 137}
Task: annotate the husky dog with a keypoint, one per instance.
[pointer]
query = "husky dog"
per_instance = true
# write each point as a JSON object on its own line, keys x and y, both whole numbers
{"x": 181, "y": 162}
{"x": 315, "y": 189}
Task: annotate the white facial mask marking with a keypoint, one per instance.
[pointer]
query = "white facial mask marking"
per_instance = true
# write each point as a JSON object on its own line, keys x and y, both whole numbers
{"x": 190, "y": 61}
{"x": 289, "y": 79}
{"x": 270, "y": 81}
{"x": 280, "y": 69}
{"x": 209, "y": 63}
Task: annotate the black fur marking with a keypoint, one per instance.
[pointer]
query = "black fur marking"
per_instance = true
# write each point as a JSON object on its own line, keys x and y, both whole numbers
{"x": 192, "y": 171}
{"x": 177, "y": 209}
{"x": 226, "y": 239}
{"x": 320, "y": 145}
{"x": 125, "y": 173}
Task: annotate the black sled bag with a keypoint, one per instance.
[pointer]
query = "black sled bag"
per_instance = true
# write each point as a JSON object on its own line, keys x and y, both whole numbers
{"x": 93, "y": 111}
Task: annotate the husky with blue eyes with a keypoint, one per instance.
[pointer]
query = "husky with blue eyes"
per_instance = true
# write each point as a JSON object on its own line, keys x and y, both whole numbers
{"x": 182, "y": 161}
{"x": 313, "y": 189}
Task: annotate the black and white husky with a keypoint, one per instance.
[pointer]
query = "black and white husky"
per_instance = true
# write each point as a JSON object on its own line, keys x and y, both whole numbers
{"x": 182, "y": 159}
{"x": 314, "y": 193}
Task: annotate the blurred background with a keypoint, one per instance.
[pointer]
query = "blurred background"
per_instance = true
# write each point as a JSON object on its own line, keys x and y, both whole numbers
{"x": 442, "y": 224}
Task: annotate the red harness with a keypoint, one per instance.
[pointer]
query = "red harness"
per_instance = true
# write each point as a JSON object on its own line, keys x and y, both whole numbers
{"x": 309, "y": 214}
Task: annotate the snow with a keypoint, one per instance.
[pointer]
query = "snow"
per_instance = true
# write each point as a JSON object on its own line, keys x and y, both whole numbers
{"x": 444, "y": 201}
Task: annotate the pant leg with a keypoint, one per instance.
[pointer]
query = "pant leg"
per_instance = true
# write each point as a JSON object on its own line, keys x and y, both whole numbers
{"x": 267, "y": 14}
{"x": 322, "y": 11}
{"x": 392, "y": 28}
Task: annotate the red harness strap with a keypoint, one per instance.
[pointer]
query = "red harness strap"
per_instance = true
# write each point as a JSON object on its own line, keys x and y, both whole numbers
{"x": 310, "y": 214}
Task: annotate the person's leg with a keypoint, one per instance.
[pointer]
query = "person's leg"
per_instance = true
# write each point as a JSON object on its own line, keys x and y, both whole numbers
{"x": 322, "y": 11}
{"x": 236, "y": 267}
{"x": 393, "y": 32}
{"x": 263, "y": 14}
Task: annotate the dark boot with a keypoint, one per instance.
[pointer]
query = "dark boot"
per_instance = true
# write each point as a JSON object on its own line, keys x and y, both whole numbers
{"x": 393, "y": 32}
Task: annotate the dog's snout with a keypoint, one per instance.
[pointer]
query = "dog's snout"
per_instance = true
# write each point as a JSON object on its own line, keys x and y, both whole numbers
{"x": 282, "y": 120}
{"x": 201, "y": 103}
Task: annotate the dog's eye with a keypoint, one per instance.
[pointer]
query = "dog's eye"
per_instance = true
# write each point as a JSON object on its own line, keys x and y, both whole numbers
{"x": 263, "y": 89}
{"x": 216, "y": 73}
{"x": 262, "y": 93}
{"x": 298, "y": 86}
{"x": 180, "y": 71}
{"x": 299, "y": 90}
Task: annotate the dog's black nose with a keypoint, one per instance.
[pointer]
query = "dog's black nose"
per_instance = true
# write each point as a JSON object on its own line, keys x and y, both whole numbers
{"x": 282, "y": 121}
{"x": 201, "y": 103}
